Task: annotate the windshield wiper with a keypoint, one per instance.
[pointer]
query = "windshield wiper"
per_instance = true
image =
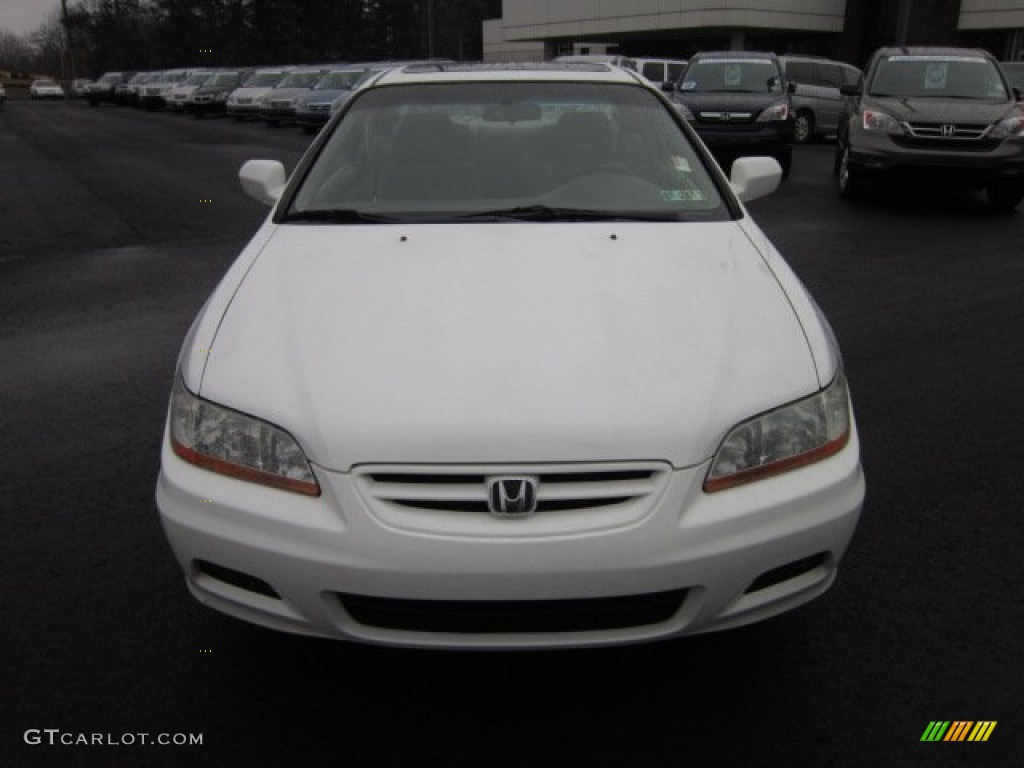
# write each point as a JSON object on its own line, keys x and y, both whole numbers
{"x": 339, "y": 216}
{"x": 554, "y": 213}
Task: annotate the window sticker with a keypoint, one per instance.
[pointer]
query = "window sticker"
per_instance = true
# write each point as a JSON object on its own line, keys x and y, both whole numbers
{"x": 935, "y": 74}
{"x": 682, "y": 195}
{"x": 681, "y": 164}
{"x": 689, "y": 85}
{"x": 733, "y": 74}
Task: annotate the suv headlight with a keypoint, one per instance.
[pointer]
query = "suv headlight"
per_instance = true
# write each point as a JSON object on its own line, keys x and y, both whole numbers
{"x": 784, "y": 439}
{"x": 237, "y": 445}
{"x": 873, "y": 120}
{"x": 1009, "y": 126}
{"x": 777, "y": 111}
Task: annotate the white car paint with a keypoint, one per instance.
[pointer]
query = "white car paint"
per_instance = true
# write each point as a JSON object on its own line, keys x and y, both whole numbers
{"x": 537, "y": 349}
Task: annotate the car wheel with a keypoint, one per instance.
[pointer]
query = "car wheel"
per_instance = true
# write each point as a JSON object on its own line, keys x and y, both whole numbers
{"x": 1003, "y": 198}
{"x": 803, "y": 128}
{"x": 848, "y": 182}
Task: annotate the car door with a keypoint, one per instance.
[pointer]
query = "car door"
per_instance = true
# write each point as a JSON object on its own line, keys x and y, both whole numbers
{"x": 830, "y": 101}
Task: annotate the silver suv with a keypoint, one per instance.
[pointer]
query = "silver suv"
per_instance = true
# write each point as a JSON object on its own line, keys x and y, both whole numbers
{"x": 817, "y": 102}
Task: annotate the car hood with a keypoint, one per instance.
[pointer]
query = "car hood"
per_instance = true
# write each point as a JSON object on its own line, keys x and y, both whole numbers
{"x": 936, "y": 110}
{"x": 749, "y": 102}
{"x": 525, "y": 343}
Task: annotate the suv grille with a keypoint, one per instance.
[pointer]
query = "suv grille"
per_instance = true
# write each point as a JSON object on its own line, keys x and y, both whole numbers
{"x": 952, "y": 136}
{"x": 455, "y": 489}
{"x": 725, "y": 118}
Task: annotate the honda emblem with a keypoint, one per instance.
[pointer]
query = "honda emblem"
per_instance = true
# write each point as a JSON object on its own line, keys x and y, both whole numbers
{"x": 509, "y": 496}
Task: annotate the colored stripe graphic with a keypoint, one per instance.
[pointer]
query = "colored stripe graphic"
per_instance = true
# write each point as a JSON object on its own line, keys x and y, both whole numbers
{"x": 982, "y": 730}
{"x": 958, "y": 730}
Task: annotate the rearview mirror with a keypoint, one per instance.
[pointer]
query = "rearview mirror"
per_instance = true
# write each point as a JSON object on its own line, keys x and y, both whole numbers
{"x": 849, "y": 90}
{"x": 754, "y": 177}
{"x": 263, "y": 180}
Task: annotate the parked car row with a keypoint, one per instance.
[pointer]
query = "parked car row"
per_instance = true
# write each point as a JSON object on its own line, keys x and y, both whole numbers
{"x": 300, "y": 95}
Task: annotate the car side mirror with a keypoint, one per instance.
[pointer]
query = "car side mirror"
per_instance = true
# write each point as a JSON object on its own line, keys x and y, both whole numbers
{"x": 791, "y": 87}
{"x": 263, "y": 180}
{"x": 754, "y": 177}
{"x": 1017, "y": 94}
{"x": 668, "y": 86}
{"x": 850, "y": 90}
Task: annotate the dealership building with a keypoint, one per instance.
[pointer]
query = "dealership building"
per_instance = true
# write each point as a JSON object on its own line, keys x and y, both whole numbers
{"x": 531, "y": 30}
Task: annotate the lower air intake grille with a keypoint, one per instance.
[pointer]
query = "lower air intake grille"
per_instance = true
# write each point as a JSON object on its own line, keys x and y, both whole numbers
{"x": 511, "y": 616}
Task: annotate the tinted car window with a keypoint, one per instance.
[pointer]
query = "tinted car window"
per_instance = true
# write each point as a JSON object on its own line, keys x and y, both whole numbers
{"x": 801, "y": 72}
{"x": 961, "y": 77}
{"x": 653, "y": 71}
{"x": 731, "y": 75}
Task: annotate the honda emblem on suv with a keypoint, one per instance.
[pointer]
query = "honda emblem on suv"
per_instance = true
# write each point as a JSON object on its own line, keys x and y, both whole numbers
{"x": 948, "y": 130}
{"x": 512, "y": 496}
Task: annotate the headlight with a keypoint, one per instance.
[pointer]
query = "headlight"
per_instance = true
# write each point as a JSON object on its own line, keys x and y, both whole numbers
{"x": 873, "y": 120}
{"x": 1010, "y": 126}
{"x": 774, "y": 113}
{"x": 233, "y": 444}
{"x": 789, "y": 437}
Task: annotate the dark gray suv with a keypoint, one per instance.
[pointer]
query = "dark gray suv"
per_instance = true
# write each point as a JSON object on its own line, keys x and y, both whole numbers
{"x": 739, "y": 103}
{"x": 939, "y": 115}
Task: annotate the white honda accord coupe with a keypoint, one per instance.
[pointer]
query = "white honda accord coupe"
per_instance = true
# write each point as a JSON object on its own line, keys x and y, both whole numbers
{"x": 509, "y": 366}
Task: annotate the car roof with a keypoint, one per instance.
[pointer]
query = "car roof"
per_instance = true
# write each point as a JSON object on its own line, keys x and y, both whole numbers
{"x": 766, "y": 55}
{"x": 931, "y": 50}
{"x": 507, "y": 72}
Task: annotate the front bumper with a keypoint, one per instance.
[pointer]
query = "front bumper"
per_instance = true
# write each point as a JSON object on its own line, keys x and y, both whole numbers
{"x": 205, "y": 107}
{"x": 747, "y": 139}
{"x": 879, "y": 154}
{"x": 316, "y": 565}
{"x": 281, "y": 115}
{"x": 250, "y": 110}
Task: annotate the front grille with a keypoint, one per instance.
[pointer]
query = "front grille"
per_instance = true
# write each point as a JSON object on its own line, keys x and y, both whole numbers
{"x": 318, "y": 107}
{"x": 725, "y": 118}
{"x": 947, "y": 136}
{"x": 244, "y": 100}
{"x": 512, "y": 616}
{"x": 280, "y": 104}
{"x": 559, "y": 489}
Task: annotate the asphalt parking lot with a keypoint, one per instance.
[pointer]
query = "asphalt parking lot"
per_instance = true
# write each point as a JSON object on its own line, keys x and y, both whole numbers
{"x": 114, "y": 226}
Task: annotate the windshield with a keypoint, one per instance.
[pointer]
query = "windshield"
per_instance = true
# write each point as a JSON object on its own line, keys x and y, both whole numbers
{"x": 338, "y": 81}
{"x": 114, "y": 77}
{"x": 263, "y": 79}
{"x": 731, "y": 76}
{"x": 497, "y": 151}
{"x": 169, "y": 77}
{"x": 299, "y": 80}
{"x": 948, "y": 77}
{"x": 198, "y": 79}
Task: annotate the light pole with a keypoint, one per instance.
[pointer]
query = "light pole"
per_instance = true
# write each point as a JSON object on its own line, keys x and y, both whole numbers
{"x": 67, "y": 34}
{"x": 430, "y": 29}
